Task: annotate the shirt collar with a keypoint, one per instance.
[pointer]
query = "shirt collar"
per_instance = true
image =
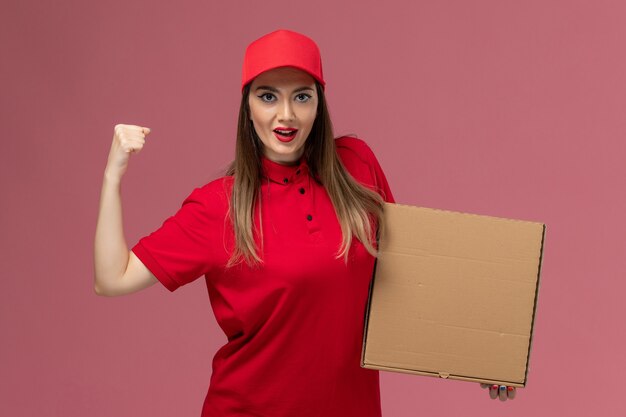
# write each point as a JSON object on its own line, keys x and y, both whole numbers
{"x": 284, "y": 174}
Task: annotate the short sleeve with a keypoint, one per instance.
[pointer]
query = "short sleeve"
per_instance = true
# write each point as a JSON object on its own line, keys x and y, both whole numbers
{"x": 381, "y": 180}
{"x": 362, "y": 164}
{"x": 188, "y": 244}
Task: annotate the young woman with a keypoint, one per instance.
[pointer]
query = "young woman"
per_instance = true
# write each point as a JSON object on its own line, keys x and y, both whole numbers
{"x": 285, "y": 242}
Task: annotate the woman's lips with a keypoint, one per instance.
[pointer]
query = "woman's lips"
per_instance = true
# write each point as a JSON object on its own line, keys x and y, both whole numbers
{"x": 286, "y": 138}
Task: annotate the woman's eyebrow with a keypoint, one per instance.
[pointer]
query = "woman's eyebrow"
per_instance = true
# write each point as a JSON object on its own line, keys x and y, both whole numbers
{"x": 275, "y": 90}
{"x": 265, "y": 87}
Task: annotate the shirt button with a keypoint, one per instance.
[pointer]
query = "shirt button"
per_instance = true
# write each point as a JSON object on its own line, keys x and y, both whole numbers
{"x": 285, "y": 180}
{"x": 301, "y": 190}
{"x": 309, "y": 217}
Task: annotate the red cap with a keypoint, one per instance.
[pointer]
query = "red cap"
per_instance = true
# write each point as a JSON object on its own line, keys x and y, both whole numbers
{"x": 282, "y": 48}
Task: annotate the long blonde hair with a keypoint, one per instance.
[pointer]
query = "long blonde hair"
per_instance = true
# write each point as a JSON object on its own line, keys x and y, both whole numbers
{"x": 358, "y": 208}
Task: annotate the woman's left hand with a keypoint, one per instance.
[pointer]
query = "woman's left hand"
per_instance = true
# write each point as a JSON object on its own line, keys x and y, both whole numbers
{"x": 503, "y": 392}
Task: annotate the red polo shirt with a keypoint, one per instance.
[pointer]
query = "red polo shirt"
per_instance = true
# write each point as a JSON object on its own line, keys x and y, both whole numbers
{"x": 295, "y": 324}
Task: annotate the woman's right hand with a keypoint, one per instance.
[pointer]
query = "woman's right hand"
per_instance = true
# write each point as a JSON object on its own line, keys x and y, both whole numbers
{"x": 127, "y": 139}
{"x": 117, "y": 270}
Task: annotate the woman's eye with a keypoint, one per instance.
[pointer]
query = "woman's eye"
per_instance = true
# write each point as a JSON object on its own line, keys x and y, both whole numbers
{"x": 303, "y": 97}
{"x": 267, "y": 97}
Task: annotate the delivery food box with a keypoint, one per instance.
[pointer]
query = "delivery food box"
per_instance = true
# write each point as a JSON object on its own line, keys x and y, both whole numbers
{"x": 453, "y": 295}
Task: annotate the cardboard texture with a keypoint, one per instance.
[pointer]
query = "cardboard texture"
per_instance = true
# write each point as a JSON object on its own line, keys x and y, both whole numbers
{"x": 453, "y": 296}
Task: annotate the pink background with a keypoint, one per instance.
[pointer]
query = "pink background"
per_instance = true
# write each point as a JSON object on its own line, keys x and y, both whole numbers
{"x": 506, "y": 108}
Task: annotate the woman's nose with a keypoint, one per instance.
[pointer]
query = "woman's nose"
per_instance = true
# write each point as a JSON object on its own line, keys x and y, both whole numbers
{"x": 285, "y": 111}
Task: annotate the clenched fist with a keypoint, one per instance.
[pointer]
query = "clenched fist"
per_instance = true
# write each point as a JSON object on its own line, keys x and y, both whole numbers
{"x": 127, "y": 139}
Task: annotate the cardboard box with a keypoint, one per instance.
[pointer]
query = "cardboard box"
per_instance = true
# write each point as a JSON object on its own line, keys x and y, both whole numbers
{"x": 453, "y": 296}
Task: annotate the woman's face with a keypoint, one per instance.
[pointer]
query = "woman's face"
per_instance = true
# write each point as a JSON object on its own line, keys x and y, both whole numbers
{"x": 283, "y": 106}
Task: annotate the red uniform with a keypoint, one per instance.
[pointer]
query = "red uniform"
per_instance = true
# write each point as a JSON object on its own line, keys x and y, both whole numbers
{"x": 295, "y": 324}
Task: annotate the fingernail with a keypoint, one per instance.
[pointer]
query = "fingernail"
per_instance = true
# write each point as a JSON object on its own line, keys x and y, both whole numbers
{"x": 493, "y": 392}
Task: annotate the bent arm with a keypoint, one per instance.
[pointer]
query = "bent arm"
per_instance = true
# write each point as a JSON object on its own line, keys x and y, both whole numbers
{"x": 117, "y": 271}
